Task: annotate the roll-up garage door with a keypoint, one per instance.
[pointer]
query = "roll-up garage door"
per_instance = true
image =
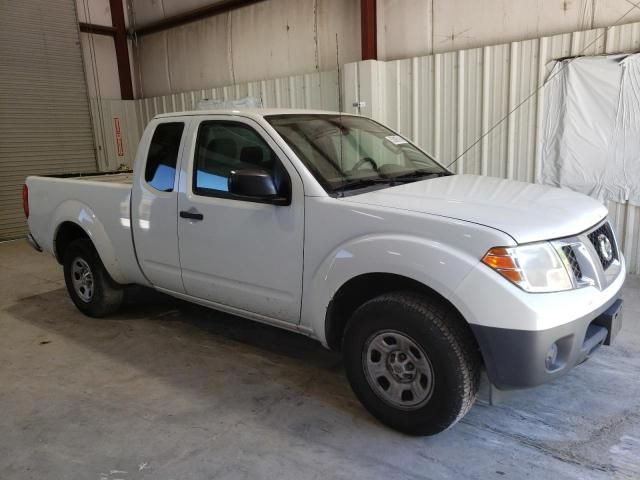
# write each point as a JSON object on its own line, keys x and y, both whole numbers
{"x": 45, "y": 125}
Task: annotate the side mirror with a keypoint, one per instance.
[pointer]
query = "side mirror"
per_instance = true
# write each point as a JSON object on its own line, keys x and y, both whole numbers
{"x": 256, "y": 186}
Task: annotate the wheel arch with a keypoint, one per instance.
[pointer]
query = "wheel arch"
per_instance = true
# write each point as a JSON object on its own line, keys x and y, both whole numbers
{"x": 66, "y": 233}
{"x": 72, "y": 220}
{"x": 362, "y": 288}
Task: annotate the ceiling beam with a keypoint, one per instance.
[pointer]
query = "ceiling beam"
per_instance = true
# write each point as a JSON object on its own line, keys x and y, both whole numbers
{"x": 97, "y": 29}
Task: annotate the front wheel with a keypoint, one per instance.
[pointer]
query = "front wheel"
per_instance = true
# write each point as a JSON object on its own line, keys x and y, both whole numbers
{"x": 89, "y": 285}
{"x": 412, "y": 362}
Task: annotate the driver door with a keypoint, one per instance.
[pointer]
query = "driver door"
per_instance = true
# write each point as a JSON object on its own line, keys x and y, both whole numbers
{"x": 238, "y": 253}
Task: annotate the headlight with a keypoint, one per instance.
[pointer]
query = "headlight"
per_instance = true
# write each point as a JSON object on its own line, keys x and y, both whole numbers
{"x": 535, "y": 267}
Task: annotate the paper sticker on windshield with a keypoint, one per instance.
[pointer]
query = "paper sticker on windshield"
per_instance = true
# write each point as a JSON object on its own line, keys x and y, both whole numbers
{"x": 396, "y": 139}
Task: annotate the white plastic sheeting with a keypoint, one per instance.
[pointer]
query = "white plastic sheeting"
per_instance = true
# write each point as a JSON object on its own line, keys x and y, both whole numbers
{"x": 590, "y": 138}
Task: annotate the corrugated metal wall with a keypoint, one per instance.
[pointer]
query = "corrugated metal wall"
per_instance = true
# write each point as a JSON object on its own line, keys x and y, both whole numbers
{"x": 318, "y": 90}
{"x": 314, "y": 90}
{"x": 444, "y": 102}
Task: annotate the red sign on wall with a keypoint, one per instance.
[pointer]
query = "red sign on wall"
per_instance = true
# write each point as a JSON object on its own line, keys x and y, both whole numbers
{"x": 118, "y": 134}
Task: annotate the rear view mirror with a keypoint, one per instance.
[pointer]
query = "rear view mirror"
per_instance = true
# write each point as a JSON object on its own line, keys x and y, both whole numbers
{"x": 257, "y": 186}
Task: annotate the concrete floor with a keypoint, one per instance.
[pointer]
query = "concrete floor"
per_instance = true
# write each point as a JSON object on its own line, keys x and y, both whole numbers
{"x": 167, "y": 390}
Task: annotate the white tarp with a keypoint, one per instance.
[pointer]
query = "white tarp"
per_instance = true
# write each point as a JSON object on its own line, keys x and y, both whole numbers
{"x": 590, "y": 139}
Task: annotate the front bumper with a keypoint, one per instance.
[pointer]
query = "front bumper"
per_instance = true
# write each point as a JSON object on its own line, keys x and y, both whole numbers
{"x": 516, "y": 359}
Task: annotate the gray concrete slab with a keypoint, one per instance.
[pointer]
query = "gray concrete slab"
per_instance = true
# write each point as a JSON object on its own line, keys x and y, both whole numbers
{"x": 168, "y": 390}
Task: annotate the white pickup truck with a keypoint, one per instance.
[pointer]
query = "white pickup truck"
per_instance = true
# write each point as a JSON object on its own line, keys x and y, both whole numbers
{"x": 336, "y": 227}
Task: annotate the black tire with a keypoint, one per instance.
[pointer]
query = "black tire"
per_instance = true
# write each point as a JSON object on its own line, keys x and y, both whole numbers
{"x": 450, "y": 349}
{"x": 106, "y": 295}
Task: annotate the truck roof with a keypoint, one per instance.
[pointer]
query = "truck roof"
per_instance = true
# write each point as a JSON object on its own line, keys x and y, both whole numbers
{"x": 248, "y": 112}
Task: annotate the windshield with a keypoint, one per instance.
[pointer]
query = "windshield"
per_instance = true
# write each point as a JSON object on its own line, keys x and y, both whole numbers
{"x": 345, "y": 152}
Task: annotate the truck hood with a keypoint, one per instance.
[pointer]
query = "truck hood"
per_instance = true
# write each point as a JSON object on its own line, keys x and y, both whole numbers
{"x": 525, "y": 211}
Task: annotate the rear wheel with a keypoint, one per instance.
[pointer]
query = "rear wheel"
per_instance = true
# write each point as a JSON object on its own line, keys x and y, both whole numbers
{"x": 412, "y": 362}
{"x": 89, "y": 285}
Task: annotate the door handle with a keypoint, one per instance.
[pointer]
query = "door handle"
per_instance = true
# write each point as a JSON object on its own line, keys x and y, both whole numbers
{"x": 191, "y": 215}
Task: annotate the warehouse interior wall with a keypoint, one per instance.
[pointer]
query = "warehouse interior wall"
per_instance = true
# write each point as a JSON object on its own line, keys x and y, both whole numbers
{"x": 276, "y": 38}
{"x": 408, "y": 28}
{"x": 101, "y": 68}
{"x": 268, "y": 39}
{"x": 96, "y": 12}
{"x": 99, "y": 53}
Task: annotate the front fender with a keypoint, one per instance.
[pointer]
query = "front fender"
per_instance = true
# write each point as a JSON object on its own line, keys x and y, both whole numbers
{"x": 82, "y": 215}
{"x": 436, "y": 265}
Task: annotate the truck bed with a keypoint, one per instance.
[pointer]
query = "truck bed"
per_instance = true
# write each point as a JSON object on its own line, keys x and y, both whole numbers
{"x": 124, "y": 176}
{"x": 97, "y": 202}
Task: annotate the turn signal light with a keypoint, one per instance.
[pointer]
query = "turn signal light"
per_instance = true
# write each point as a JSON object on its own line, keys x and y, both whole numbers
{"x": 534, "y": 267}
{"x": 501, "y": 260}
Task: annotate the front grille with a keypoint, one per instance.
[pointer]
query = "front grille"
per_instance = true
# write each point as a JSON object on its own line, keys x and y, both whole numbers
{"x": 573, "y": 261}
{"x": 595, "y": 239}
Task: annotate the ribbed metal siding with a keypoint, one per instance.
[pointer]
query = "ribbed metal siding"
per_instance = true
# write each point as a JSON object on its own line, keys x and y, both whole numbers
{"x": 445, "y": 102}
{"x": 45, "y": 125}
{"x": 318, "y": 90}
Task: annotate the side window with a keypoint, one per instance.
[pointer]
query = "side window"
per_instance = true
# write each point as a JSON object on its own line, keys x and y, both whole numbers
{"x": 223, "y": 147}
{"x": 160, "y": 171}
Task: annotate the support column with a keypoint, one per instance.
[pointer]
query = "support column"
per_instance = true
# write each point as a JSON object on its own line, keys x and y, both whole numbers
{"x": 122, "y": 49}
{"x": 369, "y": 29}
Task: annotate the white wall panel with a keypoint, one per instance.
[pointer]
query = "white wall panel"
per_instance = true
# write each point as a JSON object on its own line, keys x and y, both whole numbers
{"x": 404, "y": 28}
{"x": 337, "y": 32}
{"x": 445, "y": 102}
{"x": 277, "y": 38}
{"x": 422, "y": 27}
{"x": 97, "y": 12}
{"x": 270, "y": 39}
{"x": 151, "y": 11}
{"x": 152, "y": 62}
{"x": 104, "y": 114}
{"x": 101, "y": 66}
{"x": 273, "y": 38}
{"x": 198, "y": 55}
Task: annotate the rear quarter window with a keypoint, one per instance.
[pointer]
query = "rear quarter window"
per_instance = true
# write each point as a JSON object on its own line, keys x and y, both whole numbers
{"x": 160, "y": 171}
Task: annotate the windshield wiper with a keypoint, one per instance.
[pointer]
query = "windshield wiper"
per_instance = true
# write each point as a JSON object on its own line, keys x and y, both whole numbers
{"x": 391, "y": 181}
{"x": 363, "y": 182}
{"x": 421, "y": 175}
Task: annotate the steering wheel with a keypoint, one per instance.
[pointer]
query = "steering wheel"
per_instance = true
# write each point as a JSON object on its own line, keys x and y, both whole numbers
{"x": 364, "y": 160}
